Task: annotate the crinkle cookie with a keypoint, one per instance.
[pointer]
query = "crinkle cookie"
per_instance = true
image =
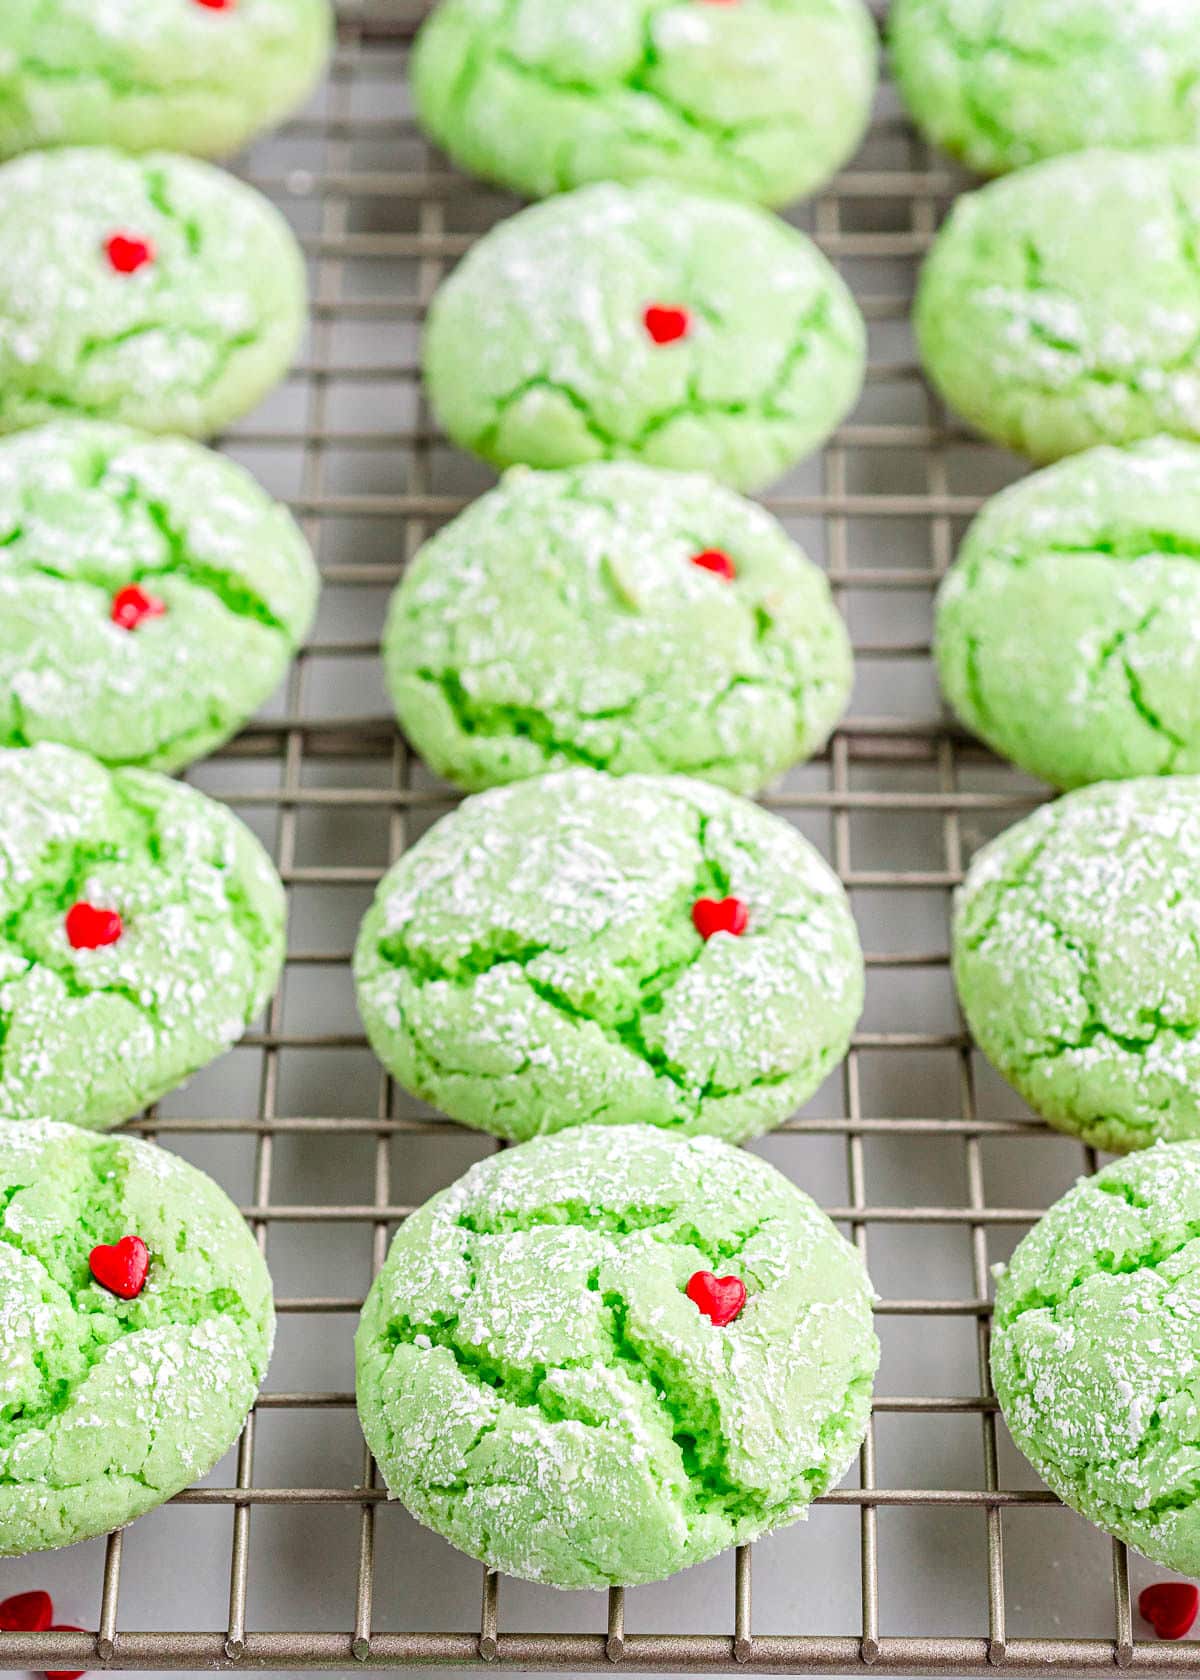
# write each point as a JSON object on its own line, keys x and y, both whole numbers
{"x": 586, "y": 948}
{"x": 552, "y": 1375}
{"x": 760, "y": 102}
{"x": 199, "y": 76}
{"x": 135, "y": 1329}
{"x": 1060, "y": 306}
{"x": 157, "y": 291}
{"x": 151, "y": 594}
{"x": 141, "y": 931}
{"x": 1007, "y": 84}
{"x": 1077, "y": 957}
{"x": 1068, "y": 634}
{"x": 619, "y": 617}
{"x": 1096, "y": 1351}
{"x": 644, "y": 323}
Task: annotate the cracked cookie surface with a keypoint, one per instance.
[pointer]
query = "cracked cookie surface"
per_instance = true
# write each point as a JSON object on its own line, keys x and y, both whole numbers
{"x": 1077, "y": 959}
{"x": 762, "y": 102}
{"x": 1006, "y": 83}
{"x": 532, "y": 962}
{"x": 88, "y": 510}
{"x": 93, "y": 1036}
{"x": 538, "y": 1388}
{"x": 1096, "y": 1351}
{"x": 562, "y": 620}
{"x": 190, "y": 339}
{"x": 1068, "y": 632}
{"x": 144, "y": 74}
{"x": 108, "y": 1407}
{"x": 1060, "y": 306}
{"x": 538, "y": 350}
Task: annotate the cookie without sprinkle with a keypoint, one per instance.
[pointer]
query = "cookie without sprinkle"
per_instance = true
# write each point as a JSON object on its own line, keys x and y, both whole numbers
{"x": 1009, "y": 84}
{"x": 99, "y": 1017}
{"x": 111, "y": 1406}
{"x": 1096, "y": 1349}
{"x": 1068, "y": 633}
{"x": 539, "y": 1388}
{"x": 198, "y": 76}
{"x": 1060, "y": 308}
{"x": 534, "y": 962}
{"x": 157, "y": 291}
{"x": 644, "y": 323}
{"x": 151, "y": 594}
{"x": 1077, "y": 957}
{"x": 619, "y": 617}
{"x": 758, "y": 101}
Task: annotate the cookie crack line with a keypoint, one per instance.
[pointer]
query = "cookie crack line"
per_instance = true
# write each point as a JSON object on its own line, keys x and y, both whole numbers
{"x": 1150, "y": 1258}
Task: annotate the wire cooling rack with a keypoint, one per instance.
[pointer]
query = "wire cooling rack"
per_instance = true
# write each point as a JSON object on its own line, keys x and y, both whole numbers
{"x": 942, "y": 1554}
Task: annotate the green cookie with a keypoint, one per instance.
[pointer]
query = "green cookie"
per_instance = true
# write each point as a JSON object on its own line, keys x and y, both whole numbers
{"x": 113, "y": 1405}
{"x": 191, "y": 75}
{"x": 1059, "y": 307}
{"x": 644, "y": 323}
{"x": 1005, "y": 83}
{"x": 1077, "y": 957}
{"x": 535, "y": 961}
{"x": 762, "y": 100}
{"x": 538, "y": 1386}
{"x": 618, "y": 617}
{"x": 1096, "y": 1351}
{"x": 151, "y": 595}
{"x": 157, "y": 291}
{"x": 141, "y": 931}
{"x": 1068, "y": 634}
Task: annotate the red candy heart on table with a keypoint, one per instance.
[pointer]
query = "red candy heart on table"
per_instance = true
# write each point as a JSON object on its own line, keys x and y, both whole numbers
{"x": 720, "y": 915}
{"x": 132, "y": 604}
{"x": 89, "y": 927}
{"x": 722, "y": 1299}
{"x": 127, "y": 254}
{"x": 66, "y": 1673}
{"x": 1170, "y": 1607}
{"x": 121, "y": 1266}
{"x": 717, "y": 561}
{"x": 665, "y": 323}
{"x": 27, "y": 1612}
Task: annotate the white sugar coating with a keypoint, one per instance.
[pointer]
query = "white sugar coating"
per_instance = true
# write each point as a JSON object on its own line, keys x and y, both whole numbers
{"x": 109, "y": 1407}
{"x": 532, "y": 962}
{"x": 1096, "y": 1351}
{"x": 93, "y": 1036}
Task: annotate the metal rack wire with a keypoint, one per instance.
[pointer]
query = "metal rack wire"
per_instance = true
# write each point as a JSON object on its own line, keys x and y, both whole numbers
{"x": 897, "y": 803}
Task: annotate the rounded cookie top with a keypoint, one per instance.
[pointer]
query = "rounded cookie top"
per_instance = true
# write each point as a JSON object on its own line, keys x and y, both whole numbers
{"x": 1060, "y": 307}
{"x": 193, "y": 75}
{"x": 157, "y": 291}
{"x": 1077, "y": 957}
{"x": 1003, "y": 86}
{"x": 114, "y": 1402}
{"x": 151, "y": 594}
{"x": 620, "y": 617}
{"x": 758, "y": 101}
{"x": 1096, "y": 1350}
{"x": 546, "y": 1381}
{"x": 141, "y": 931}
{"x": 586, "y": 948}
{"x": 644, "y": 323}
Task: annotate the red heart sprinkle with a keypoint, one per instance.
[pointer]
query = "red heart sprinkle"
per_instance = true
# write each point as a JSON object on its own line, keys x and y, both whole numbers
{"x": 721, "y": 1298}
{"x": 720, "y": 915}
{"x": 127, "y": 254}
{"x": 88, "y": 927}
{"x": 27, "y": 1612}
{"x": 131, "y": 605}
{"x": 218, "y": 5}
{"x": 1170, "y": 1607}
{"x": 66, "y": 1673}
{"x": 122, "y": 1266}
{"x": 716, "y": 560}
{"x": 665, "y": 323}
